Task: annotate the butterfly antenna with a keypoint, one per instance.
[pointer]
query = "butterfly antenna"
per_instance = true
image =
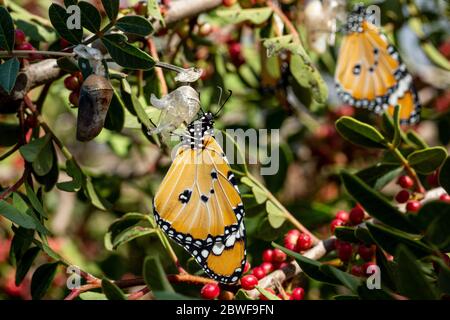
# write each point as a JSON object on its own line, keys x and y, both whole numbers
{"x": 201, "y": 109}
{"x": 223, "y": 104}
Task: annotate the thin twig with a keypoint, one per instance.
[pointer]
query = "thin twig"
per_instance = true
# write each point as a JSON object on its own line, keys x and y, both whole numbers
{"x": 158, "y": 71}
{"x": 286, "y": 21}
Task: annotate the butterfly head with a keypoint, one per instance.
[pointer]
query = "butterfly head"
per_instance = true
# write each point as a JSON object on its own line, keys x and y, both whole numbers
{"x": 355, "y": 19}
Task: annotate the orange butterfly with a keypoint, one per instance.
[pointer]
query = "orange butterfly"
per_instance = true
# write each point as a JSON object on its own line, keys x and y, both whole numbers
{"x": 199, "y": 206}
{"x": 370, "y": 73}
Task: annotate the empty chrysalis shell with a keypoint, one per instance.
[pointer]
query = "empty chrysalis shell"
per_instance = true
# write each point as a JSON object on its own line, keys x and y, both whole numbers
{"x": 95, "y": 96}
{"x": 178, "y": 107}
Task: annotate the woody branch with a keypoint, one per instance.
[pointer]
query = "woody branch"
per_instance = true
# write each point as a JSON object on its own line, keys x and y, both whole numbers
{"x": 47, "y": 70}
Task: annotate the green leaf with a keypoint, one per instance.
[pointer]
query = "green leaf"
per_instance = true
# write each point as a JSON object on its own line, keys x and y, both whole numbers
{"x": 254, "y": 15}
{"x": 301, "y": 66}
{"x": 415, "y": 139}
{"x": 379, "y": 175}
{"x": 75, "y": 172}
{"x": 16, "y": 216}
{"x": 125, "y": 54}
{"x": 310, "y": 267}
{"x": 92, "y": 194}
{"x": 115, "y": 118}
{"x": 389, "y": 239}
{"x": 135, "y": 24}
{"x": 443, "y": 276}
{"x": 444, "y": 175}
{"x": 68, "y": 64}
{"x": 434, "y": 219}
{"x": 360, "y": 133}
{"x": 42, "y": 279}
{"x": 375, "y": 203}
{"x": 111, "y": 291}
{"x": 25, "y": 264}
{"x": 20, "y": 243}
{"x": 154, "y": 275}
{"x": 348, "y": 280}
{"x": 130, "y": 234}
{"x": 154, "y": 11}
{"x": 89, "y": 295}
{"x": 31, "y": 151}
{"x": 269, "y": 295}
{"x": 260, "y": 195}
{"x": 397, "y": 130}
{"x": 346, "y": 234}
{"x": 111, "y": 8}
{"x": 58, "y": 17}
{"x": 90, "y": 17}
{"x": 275, "y": 215}
{"x": 241, "y": 294}
{"x": 411, "y": 281}
{"x": 427, "y": 160}
{"x": 44, "y": 160}
{"x": 6, "y": 30}
{"x": 8, "y": 74}
{"x": 35, "y": 202}
{"x": 20, "y": 204}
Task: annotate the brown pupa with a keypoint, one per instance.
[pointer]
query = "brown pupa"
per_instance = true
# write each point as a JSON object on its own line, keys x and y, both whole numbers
{"x": 95, "y": 96}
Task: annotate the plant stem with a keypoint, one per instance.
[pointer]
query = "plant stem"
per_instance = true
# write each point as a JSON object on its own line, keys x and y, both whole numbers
{"x": 9, "y": 152}
{"x": 27, "y": 53}
{"x": 286, "y": 21}
{"x": 286, "y": 213}
{"x": 158, "y": 71}
{"x": 409, "y": 170}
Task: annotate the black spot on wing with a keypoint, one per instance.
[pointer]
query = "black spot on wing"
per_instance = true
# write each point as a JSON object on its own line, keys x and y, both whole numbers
{"x": 185, "y": 196}
{"x": 204, "y": 198}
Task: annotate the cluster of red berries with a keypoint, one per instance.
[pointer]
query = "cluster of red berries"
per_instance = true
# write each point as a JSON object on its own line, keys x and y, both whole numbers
{"x": 352, "y": 218}
{"x": 21, "y": 43}
{"x": 73, "y": 83}
{"x": 405, "y": 196}
{"x": 362, "y": 255}
{"x": 296, "y": 241}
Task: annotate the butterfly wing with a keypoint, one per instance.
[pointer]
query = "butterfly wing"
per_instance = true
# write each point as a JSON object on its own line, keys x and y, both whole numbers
{"x": 199, "y": 206}
{"x": 370, "y": 74}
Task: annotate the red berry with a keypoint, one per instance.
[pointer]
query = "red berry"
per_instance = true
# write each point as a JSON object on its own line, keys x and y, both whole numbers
{"x": 25, "y": 46}
{"x": 345, "y": 251}
{"x": 140, "y": 8}
{"x": 267, "y": 267}
{"x": 73, "y": 98}
{"x": 247, "y": 266}
{"x": 365, "y": 266}
{"x": 263, "y": 297}
{"x": 290, "y": 240}
{"x": 278, "y": 256}
{"x": 342, "y": 215}
{"x": 357, "y": 271}
{"x": 336, "y": 223}
{"x": 445, "y": 197}
{"x": 297, "y": 294}
{"x": 366, "y": 252}
{"x": 20, "y": 37}
{"x": 228, "y": 3}
{"x": 267, "y": 255}
{"x": 72, "y": 83}
{"x": 63, "y": 43}
{"x": 304, "y": 242}
{"x": 249, "y": 282}
{"x": 293, "y": 232}
{"x": 433, "y": 179}
{"x": 402, "y": 196}
{"x": 356, "y": 215}
{"x": 405, "y": 182}
{"x": 259, "y": 272}
{"x": 413, "y": 206}
{"x": 210, "y": 291}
